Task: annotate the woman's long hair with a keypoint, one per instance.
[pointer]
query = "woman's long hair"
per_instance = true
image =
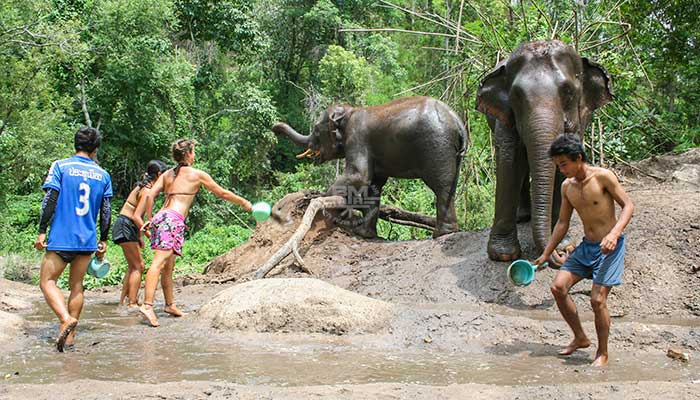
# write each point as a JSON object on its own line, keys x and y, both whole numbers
{"x": 180, "y": 149}
{"x": 153, "y": 169}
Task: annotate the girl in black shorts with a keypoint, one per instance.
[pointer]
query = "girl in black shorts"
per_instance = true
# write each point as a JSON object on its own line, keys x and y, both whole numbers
{"x": 127, "y": 234}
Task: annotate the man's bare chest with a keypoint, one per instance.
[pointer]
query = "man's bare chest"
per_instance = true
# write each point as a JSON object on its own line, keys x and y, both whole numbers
{"x": 588, "y": 194}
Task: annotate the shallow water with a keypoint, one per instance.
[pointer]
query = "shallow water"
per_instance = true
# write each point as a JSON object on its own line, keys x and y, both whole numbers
{"x": 111, "y": 346}
{"x": 552, "y": 315}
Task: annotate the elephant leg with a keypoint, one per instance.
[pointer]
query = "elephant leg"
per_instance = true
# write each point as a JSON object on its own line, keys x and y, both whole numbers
{"x": 511, "y": 158}
{"x": 524, "y": 213}
{"x": 445, "y": 188}
{"x": 556, "y": 197}
{"x": 355, "y": 186}
{"x": 566, "y": 243}
{"x": 370, "y": 208}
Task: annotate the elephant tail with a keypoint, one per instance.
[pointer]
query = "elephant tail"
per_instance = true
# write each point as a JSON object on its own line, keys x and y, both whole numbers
{"x": 461, "y": 152}
{"x": 463, "y": 139}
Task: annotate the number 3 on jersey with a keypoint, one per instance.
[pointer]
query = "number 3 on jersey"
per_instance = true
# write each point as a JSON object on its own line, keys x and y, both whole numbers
{"x": 84, "y": 200}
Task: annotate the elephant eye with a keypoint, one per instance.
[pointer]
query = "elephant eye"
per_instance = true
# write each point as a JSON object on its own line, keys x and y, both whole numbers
{"x": 568, "y": 93}
{"x": 567, "y": 90}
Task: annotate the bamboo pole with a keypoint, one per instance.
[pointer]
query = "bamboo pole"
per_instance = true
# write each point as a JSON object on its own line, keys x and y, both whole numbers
{"x": 592, "y": 142}
{"x": 600, "y": 143}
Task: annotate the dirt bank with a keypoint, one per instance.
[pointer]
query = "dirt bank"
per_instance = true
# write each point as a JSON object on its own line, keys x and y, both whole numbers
{"x": 662, "y": 262}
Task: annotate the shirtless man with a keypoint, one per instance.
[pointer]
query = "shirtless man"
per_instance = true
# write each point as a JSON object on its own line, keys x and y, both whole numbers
{"x": 167, "y": 228}
{"x": 77, "y": 189}
{"x": 592, "y": 192}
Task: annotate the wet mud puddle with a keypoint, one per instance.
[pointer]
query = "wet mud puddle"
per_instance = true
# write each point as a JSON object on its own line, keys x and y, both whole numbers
{"x": 118, "y": 347}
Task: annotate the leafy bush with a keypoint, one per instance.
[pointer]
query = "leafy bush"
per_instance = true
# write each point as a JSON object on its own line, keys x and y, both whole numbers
{"x": 344, "y": 76}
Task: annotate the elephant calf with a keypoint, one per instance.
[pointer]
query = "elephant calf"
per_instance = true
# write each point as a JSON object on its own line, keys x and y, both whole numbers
{"x": 413, "y": 137}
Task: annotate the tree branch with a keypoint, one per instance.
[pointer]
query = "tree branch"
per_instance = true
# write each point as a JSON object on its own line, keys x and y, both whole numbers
{"x": 83, "y": 102}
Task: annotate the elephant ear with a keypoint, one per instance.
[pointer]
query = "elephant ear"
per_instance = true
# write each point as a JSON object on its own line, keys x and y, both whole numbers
{"x": 596, "y": 89}
{"x": 338, "y": 120}
{"x": 338, "y": 114}
{"x": 492, "y": 95}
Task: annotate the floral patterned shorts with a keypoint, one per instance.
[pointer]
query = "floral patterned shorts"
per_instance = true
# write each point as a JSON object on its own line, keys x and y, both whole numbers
{"x": 168, "y": 231}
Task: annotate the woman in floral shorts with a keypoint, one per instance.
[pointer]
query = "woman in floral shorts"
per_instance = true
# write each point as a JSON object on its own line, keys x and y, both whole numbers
{"x": 168, "y": 231}
{"x": 180, "y": 184}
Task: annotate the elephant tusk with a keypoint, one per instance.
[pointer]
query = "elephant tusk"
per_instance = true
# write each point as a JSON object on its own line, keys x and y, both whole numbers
{"x": 305, "y": 154}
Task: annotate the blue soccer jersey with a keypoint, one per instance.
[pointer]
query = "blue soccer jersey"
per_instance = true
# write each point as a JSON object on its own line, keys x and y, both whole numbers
{"x": 82, "y": 185}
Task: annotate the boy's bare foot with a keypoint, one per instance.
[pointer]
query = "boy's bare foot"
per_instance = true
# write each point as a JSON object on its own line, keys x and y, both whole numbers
{"x": 575, "y": 345}
{"x": 600, "y": 361}
{"x": 64, "y": 331}
{"x": 147, "y": 312}
{"x": 70, "y": 339}
{"x": 173, "y": 310}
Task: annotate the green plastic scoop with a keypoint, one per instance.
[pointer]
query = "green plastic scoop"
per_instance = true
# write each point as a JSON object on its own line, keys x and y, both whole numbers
{"x": 98, "y": 268}
{"x": 261, "y": 211}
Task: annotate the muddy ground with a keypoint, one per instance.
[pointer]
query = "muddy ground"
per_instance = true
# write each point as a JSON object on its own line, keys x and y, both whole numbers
{"x": 458, "y": 329}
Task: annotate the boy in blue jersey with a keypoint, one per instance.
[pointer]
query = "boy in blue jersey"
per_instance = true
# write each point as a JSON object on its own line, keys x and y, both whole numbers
{"x": 76, "y": 190}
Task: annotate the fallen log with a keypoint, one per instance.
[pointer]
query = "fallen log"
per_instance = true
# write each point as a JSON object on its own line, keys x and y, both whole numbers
{"x": 291, "y": 198}
{"x": 403, "y": 217}
{"x": 292, "y": 245}
{"x": 386, "y": 212}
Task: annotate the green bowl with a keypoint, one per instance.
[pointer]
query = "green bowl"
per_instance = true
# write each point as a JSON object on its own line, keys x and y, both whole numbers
{"x": 522, "y": 272}
{"x": 261, "y": 211}
{"x": 98, "y": 268}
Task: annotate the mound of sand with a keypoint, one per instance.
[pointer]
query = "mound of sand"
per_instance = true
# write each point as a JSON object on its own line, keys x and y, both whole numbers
{"x": 295, "y": 305}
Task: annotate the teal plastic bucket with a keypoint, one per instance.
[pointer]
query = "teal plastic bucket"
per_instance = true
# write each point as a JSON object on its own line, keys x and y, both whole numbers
{"x": 522, "y": 272}
{"x": 98, "y": 268}
{"x": 261, "y": 211}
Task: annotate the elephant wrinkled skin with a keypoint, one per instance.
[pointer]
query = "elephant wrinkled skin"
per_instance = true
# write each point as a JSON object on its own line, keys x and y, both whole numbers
{"x": 543, "y": 89}
{"x": 413, "y": 137}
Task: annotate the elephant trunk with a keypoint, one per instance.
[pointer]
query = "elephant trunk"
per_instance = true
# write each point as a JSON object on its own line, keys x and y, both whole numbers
{"x": 539, "y": 133}
{"x": 300, "y": 140}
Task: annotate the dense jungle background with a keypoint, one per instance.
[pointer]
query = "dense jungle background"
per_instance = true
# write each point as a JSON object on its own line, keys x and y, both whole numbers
{"x": 146, "y": 72}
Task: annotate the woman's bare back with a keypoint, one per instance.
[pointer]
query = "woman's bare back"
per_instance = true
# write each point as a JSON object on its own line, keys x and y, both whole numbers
{"x": 181, "y": 190}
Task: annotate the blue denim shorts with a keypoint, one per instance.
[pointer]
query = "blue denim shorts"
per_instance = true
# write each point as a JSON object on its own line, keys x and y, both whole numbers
{"x": 589, "y": 262}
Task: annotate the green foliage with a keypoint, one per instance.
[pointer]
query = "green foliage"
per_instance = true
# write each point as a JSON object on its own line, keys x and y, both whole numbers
{"x": 19, "y": 223}
{"x": 138, "y": 85}
{"x": 382, "y": 52}
{"x": 306, "y": 177}
{"x": 411, "y": 195}
{"x": 32, "y": 107}
{"x": 228, "y": 23}
{"x": 344, "y": 76}
{"x": 239, "y": 140}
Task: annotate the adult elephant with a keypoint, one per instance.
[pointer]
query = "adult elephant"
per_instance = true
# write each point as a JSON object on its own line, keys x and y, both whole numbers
{"x": 542, "y": 90}
{"x": 413, "y": 137}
